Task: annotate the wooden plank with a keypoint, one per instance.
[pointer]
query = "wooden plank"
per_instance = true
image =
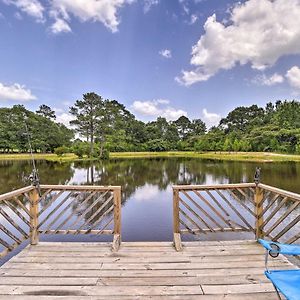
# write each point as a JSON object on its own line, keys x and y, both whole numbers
{"x": 34, "y": 213}
{"x": 132, "y": 273}
{"x": 176, "y": 225}
{"x": 221, "y": 280}
{"x": 152, "y": 244}
{"x": 90, "y": 271}
{"x": 124, "y": 250}
{"x": 251, "y": 296}
{"x": 102, "y": 290}
{"x": 213, "y": 187}
{"x": 258, "y": 201}
{"x": 46, "y": 281}
{"x": 238, "y": 289}
{"x": 10, "y": 195}
{"x": 116, "y": 242}
{"x": 75, "y": 231}
{"x": 140, "y": 259}
{"x": 284, "y": 193}
{"x": 177, "y": 242}
{"x": 117, "y": 212}
{"x": 80, "y": 187}
{"x": 204, "y": 252}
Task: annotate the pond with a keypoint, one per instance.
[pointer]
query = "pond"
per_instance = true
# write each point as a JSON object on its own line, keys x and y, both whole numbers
{"x": 147, "y": 186}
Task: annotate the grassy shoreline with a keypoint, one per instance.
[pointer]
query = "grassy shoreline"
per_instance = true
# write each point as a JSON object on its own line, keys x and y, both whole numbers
{"x": 228, "y": 156}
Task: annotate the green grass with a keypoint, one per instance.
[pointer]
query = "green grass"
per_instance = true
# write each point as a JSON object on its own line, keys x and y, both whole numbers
{"x": 231, "y": 156}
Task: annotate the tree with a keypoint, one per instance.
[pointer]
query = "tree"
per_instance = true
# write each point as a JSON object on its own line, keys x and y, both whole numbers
{"x": 287, "y": 115}
{"x": 86, "y": 113}
{"x": 227, "y": 145}
{"x": 46, "y": 111}
{"x": 241, "y": 118}
{"x": 198, "y": 127}
{"x": 184, "y": 127}
{"x": 45, "y": 134}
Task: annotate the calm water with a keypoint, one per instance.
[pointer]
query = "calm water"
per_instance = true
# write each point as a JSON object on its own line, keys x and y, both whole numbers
{"x": 146, "y": 185}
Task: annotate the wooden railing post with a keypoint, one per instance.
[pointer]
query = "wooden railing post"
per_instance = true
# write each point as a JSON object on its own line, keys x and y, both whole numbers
{"x": 34, "y": 212}
{"x": 176, "y": 225}
{"x": 258, "y": 200}
{"x": 117, "y": 219}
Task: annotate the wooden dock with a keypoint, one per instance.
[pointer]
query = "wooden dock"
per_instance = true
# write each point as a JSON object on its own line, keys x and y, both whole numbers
{"x": 139, "y": 270}
{"x": 143, "y": 270}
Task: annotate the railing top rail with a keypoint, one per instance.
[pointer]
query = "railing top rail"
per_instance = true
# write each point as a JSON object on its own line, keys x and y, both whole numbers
{"x": 285, "y": 193}
{"x": 81, "y": 187}
{"x": 27, "y": 189}
{"x": 15, "y": 193}
{"x": 215, "y": 186}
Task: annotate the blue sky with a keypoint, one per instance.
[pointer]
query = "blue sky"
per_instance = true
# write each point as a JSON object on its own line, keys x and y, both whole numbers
{"x": 199, "y": 58}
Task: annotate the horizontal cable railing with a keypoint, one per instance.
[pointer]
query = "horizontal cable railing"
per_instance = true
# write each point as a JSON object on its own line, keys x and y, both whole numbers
{"x": 246, "y": 207}
{"x": 59, "y": 209}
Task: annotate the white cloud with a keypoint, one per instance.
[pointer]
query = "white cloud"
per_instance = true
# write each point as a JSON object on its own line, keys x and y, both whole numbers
{"x": 32, "y": 8}
{"x": 166, "y": 53}
{"x": 58, "y": 110}
{"x": 15, "y": 92}
{"x": 210, "y": 119}
{"x": 293, "y": 77}
{"x": 257, "y": 34}
{"x": 65, "y": 119}
{"x": 148, "y": 4}
{"x": 194, "y": 19}
{"x": 62, "y": 11}
{"x": 269, "y": 81}
{"x": 147, "y": 192}
{"x": 60, "y": 26}
{"x": 104, "y": 11}
{"x": 156, "y": 108}
{"x": 186, "y": 9}
{"x": 147, "y": 108}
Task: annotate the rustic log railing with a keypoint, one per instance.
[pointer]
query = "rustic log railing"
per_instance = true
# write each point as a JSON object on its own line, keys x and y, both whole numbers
{"x": 61, "y": 209}
{"x": 259, "y": 209}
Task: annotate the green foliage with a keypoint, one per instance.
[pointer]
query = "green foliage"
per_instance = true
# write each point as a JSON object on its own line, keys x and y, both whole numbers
{"x": 45, "y": 134}
{"x": 60, "y": 151}
{"x": 106, "y": 125}
{"x": 81, "y": 148}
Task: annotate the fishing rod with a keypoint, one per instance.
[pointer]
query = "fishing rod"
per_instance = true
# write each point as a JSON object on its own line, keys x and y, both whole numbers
{"x": 34, "y": 176}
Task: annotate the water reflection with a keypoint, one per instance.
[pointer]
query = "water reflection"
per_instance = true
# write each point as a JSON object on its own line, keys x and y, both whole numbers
{"x": 146, "y": 184}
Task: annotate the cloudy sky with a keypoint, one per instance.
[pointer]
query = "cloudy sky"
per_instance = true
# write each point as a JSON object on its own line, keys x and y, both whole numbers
{"x": 199, "y": 58}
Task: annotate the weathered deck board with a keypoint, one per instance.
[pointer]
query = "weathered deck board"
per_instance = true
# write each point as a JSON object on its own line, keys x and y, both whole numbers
{"x": 139, "y": 270}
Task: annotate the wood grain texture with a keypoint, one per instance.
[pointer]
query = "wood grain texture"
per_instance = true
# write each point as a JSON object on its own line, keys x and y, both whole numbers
{"x": 139, "y": 270}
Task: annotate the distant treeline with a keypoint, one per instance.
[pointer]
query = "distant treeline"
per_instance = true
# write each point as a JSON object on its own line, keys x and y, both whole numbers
{"x": 45, "y": 134}
{"x": 106, "y": 125}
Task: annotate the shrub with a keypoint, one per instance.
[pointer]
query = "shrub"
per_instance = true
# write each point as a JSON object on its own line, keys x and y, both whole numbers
{"x": 60, "y": 151}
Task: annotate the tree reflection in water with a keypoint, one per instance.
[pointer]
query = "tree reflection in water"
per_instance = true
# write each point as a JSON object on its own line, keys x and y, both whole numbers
{"x": 146, "y": 185}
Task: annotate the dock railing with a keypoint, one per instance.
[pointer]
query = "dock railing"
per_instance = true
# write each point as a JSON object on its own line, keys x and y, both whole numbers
{"x": 27, "y": 213}
{"x": 258, "y": 209}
